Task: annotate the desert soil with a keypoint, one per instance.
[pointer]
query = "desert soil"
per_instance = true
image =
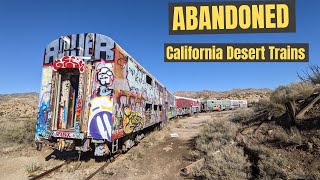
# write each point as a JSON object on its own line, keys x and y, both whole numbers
{"x": 157, "y": 156}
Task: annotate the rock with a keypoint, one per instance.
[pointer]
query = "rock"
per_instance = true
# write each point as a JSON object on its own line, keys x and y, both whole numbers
{"x": 174, "y": 135}
{"x": 310, "y": 146}
{"x": 194, "y": 167}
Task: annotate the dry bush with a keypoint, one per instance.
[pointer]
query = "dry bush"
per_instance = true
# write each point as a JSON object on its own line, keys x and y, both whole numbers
{"x": 227, "y": 163}
{"x": 134, "y": 155}
{"x": 283, "y": 94}
{"x": 293, "y": 91}
{"x": 33, "y": 167}
{"x": 223, "y": 158}
{"x": 241, "y": 115}
{"x": 293, "y": 136}
{"x": 274, "y": 108}
{"x": 272, "y": 166}
{"x": 311, "y": 75}
{"x": 18, "y": 132}
{"x": 261, "y": 104}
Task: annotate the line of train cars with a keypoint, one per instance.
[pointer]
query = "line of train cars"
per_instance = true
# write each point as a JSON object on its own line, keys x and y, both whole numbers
{"x": 95, "y": 97}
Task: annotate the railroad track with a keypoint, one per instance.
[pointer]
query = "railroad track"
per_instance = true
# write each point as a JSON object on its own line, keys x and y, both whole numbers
{"x": 46, "y": 173}
{"x": 102, "y": 167}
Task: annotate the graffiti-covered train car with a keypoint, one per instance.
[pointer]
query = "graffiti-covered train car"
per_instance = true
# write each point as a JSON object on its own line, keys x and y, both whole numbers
{"x": 187, "y": 106}
{"x": 214, "y": 105}
{"x": 95, "y": 96}
{"x": 196, "y": 105}
{"x": 221, "y": 105}
{"x": 171, "y": 105}
{"x": 238, "y": 104}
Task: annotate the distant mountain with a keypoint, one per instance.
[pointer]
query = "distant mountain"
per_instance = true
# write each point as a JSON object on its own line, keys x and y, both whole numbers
{"x": 251, "y": 94}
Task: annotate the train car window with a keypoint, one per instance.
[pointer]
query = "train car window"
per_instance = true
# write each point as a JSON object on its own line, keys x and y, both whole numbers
{"x": 149, "y": 80}
{"x": 155, "y": 107}
{"x": 161, "y": 89}
{"x": 160, "y": 108}
{"x": 148, "y": 107}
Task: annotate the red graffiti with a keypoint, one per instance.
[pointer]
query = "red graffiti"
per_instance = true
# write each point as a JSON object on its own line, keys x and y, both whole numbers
{"x": 79, "y": 105}
{"x": 69, "y": 62}
{"x": 63, "y": 134}
{"x": 183, "y": 102}
{"x": 117, "y": 134}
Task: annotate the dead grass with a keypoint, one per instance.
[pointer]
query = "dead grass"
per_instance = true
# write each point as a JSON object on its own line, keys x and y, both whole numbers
{"x": 292, "y": 137}
{"x": 240, "y": 115}
{"x": 293, "y": 91}
{"x": 135, "y": 155}
{"x": 272, "y": 166}
{"x": 223, "y": 158}
{"x": 20, "y": 132}
{"x": 33, "y": 167}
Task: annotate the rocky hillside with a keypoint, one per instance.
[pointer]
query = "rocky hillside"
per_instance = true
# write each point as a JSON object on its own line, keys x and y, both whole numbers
{"x": 18, "y": 105}
{"x": 250, "y": 94}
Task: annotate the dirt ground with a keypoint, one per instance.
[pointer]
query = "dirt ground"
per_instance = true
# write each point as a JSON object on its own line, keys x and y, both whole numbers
{"x": 158, "y": 156}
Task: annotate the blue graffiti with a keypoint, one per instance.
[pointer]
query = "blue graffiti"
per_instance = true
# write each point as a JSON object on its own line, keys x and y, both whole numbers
{"x": 42, "y": 121}
{"x": 100, "y": 125}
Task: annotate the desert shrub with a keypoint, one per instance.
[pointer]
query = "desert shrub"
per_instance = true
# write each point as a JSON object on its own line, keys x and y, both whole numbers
{"x": 135, "y": 155}
{"x": 20, "y": 132}
{"x": 227, "y": 163}
{"x": 295, "y": 136}
{"x": 292, "y": 136}
{"x": 283, "y": 94}
{"x": 277, "y": 109}
{"x": 311, "y": 75}
{"x": 240, "y": 115}
{"x": 261, "y": 104}
{"x": 33, "y": 167}
{"x": 272, "y": 166}
{"x": 281, "y": 136}
{"x": 293, "y": 91}
{"x": 223, "y": 158}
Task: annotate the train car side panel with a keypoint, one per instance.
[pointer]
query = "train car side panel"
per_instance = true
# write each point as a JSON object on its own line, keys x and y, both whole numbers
{"x": 138, "y": 98}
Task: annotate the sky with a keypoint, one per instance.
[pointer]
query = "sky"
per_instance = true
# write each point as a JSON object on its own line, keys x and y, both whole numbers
{"x": 141, "y": 28}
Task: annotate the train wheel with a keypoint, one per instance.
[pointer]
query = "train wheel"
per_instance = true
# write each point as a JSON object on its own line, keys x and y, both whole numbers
{"x": 39, "y": 146}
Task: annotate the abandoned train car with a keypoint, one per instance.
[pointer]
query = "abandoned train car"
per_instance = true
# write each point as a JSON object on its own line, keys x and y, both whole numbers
{"x": 187, "y": 106}
{"x": 95, "y": 96}
{"x": 221, "y": 105}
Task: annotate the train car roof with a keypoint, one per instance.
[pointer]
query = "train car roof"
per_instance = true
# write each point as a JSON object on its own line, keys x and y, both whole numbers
{"x": 180, "y": 97}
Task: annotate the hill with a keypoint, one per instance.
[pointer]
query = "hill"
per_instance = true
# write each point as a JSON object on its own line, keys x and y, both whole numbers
{"x": 251, "y": 94}
{"x": 18, "y": 105}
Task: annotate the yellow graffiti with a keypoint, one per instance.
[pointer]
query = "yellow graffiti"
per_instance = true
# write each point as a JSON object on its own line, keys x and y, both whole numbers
{"x": 131, "y": 120}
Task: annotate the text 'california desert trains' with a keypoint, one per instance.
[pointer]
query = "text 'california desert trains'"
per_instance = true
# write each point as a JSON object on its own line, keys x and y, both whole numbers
{"x": 96, "y": 97}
